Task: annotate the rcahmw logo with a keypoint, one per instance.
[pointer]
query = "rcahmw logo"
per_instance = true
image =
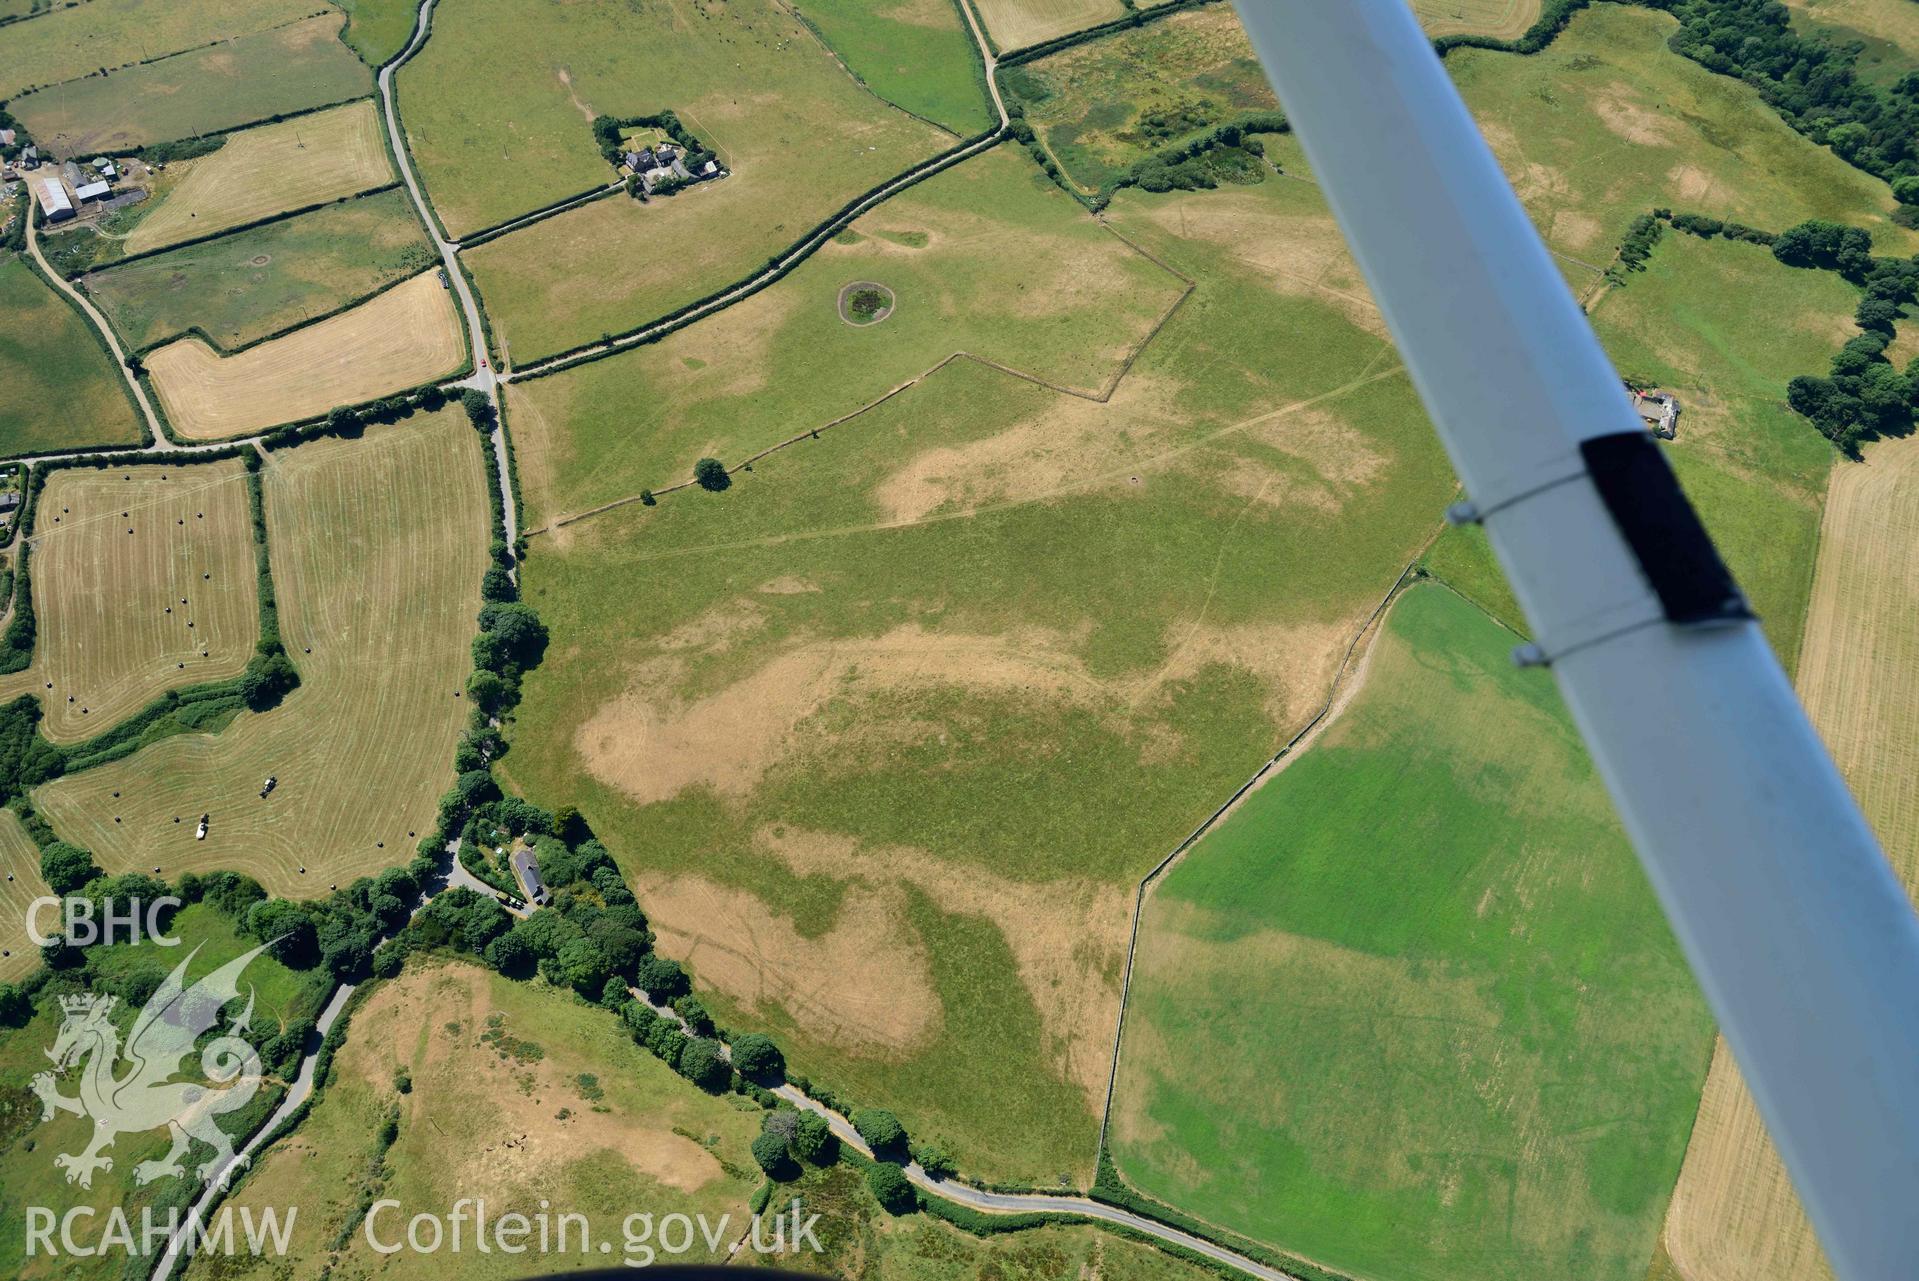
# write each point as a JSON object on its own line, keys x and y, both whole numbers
{"x": 68, "y": 1234}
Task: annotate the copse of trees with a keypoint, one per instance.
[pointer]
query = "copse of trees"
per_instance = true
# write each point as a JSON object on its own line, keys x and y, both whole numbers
{"x": 66, "y": 868}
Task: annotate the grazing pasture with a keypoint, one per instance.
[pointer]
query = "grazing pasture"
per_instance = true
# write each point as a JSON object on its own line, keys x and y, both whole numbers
{"x": 377, "y": 546}
{"x": 1606, "y": 123}
{"x": 519, "y": 1092}
{"x": 241, "y": 287}
{"x": 61, "y": 388}
{"x": 1734, "y": 1214}
{"x": 1727, "y": 326}
{"x": 1089, "y": 619}
{"x": 748, "y": 79}
{"x": 378, "y": 29}
{"x": 1102, "y": 105}
{"x": 916, "y": 53}
{"x": 269, "y": 170}
{"x": 143, "y": 581}
{"x": 109, "y": 34}
{"x": 284, "y": 69}
{"x": 20, "y": 865}
{"x": 1014, "y": 24}
{"x": 1412, "y": 1010}
{"x": 408, "y": 335}
{"x": 984, "y": 258}
{"x": 28, "y": 1145}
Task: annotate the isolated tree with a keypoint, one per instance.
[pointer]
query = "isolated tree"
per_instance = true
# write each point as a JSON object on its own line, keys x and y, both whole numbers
{"x": 66, "y": 868}
{"x": 757, "y": 1057}
{"x": 769, "y": 1149}
{"x": 880, "y": 1128}
{"x": 890, "y": 1188}
{"x": 711, "y": 474}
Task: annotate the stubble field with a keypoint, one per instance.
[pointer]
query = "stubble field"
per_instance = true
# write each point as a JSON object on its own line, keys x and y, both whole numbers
{"x": 1501, "y": 19}
{"x": 377, "y": 547}
{"x": 406, "y": 336}
{"x": 269, "y": 170}
{"x": 20, "y": 865}
{"x": 124, "y": 617}
{"x": 1475, "y": 1049}
{"x": 1014, "y": 24}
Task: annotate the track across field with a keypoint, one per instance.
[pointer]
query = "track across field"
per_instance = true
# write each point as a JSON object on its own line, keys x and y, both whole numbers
{"x": 377, "y": 545}
{"x": 265, "y": 171}
{"x": 407, "y": 335}
{"x": 1734, "y": 1214}
{"x": 143, "y": 581}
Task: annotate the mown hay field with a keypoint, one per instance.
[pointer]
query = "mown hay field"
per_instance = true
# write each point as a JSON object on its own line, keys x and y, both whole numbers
{"x": 61, "y": 388}
{"x": 1887, "y": 32}
{"x": 1607, "y": 123}
{"x": 377, "y": 548}
{"x": 917, "y": 53}
{"x": 408, "y": 335}
{"x": 1734, "y": 1214}
{"x": 986, "y": 258}
{"x": 1727, "y": 326}
{"x": 108, "y": 34}
{"x": 20, "y": 865}
{"x": 520, "y": 1092}
{"x": 269, "y": 170}
{"x": 1501, "y": 19}
{"x": 1411, "y": 1010}
{"x": 800, "y": 135}
{"x": 265, "y": 73}
{"x": 1088, "y": 619}
{"x": 1014, "y": 24}
{"x": 28, "y": 1145}
{"x": 245, "y": 286}
{"x": 143, "y": 581}
{"x": 1102, "y": 105}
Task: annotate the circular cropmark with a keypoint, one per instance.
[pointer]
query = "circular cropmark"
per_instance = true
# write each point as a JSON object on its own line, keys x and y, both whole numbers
{"x": 865, "y": 302}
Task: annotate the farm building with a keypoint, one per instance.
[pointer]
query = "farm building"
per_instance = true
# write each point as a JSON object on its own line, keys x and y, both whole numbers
{"x": 71, "y": 172}
{"x": 93, "y": 191}
{"x": 1659, "y": 410}
{"x": 54, "y": 205}
{"x": 6, "y": 137}
{"x": 526, "y": 866}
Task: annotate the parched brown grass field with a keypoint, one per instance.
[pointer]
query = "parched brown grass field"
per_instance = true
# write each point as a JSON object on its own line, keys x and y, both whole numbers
{"x": 143, "y": 581}
{"x": 1014, "y": 24}
{"x": 1734, "y": 1214}
{"x": 20, "y": 864}
{"x": 377, "y": 546}
{"x": 405, "y": 336}
{"x": 269, "y": 170}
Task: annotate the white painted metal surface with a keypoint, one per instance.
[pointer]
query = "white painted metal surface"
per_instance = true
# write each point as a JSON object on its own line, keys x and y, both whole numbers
{"x": 1803, "y": 941}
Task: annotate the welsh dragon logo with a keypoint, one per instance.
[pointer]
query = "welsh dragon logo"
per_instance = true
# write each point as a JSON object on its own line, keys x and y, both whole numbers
{"x": 146, "y": 1097}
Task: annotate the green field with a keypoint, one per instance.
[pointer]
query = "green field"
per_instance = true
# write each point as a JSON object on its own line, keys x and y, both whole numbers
{"x": 285, "y": 69}
{"x": 1102, "y": 105}
{"x": 1886, "y": 30}
{"x": 1412, "y": 1011}
{"x": 379, "y": 29}
{"x": 1727, "y": 326}
{"x": 916, "y": 53}
{"x": 240, "y": 288}
{"x": 107, "y": 34}
{"x": 1088, "y": 620}
{"x": 519, "y": 1093}
{"x": 986, "y": 258}
{"x": 61, "y": 388}
{"x": 28, "y": 1145}
{"x": 1606, "y": 123}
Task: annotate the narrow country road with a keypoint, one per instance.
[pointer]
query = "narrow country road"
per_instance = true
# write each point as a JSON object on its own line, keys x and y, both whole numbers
{"x": 161, "y": 444}
{"x": 483, "y": 378}
{"x": 297, "y": 1093}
